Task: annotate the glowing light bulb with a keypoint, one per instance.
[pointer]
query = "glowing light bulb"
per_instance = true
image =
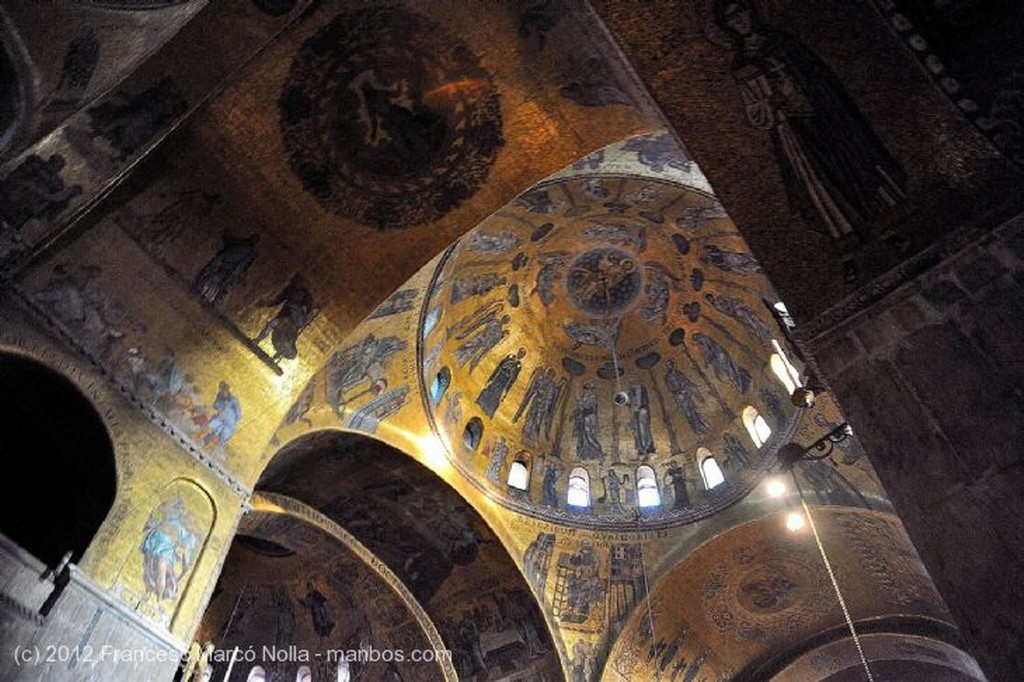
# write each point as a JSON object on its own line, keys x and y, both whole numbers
{"x": 795, "y": 521}
{"x": 776, "y": 487}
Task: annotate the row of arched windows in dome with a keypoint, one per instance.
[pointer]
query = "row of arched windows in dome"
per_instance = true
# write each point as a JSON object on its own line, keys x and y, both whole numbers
{"x": 647, "y": 493}
{"x": 578, "y": 494}
{"x": 756, "y": 425}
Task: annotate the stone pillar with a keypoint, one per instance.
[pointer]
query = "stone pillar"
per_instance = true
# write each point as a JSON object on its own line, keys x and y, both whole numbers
{"x": 915, "y": 311}
{"x": 931, "y": 378}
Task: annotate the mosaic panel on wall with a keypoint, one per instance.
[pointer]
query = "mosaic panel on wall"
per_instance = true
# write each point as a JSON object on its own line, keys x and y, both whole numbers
{"x": 154, "y": 579}
{"x": 829, "y": 131}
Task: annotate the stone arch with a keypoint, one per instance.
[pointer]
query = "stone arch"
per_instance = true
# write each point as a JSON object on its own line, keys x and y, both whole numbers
{"x": 903, "y": 657}
{"x": 759, "y": 598}
{"x": 413, "y": 525}
{"x": 280, "y": 526}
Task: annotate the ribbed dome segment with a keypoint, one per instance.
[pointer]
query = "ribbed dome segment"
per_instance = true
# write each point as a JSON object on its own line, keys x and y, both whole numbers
{"x": 607, "y": 333}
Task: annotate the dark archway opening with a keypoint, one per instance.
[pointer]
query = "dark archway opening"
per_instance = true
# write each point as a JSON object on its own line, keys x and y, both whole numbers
{"x": 59, "y": 477}
{"x": 430, "y": 538}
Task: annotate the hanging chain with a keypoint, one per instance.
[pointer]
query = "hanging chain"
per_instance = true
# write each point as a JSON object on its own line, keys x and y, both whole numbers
{"x": 613, "y": 339}
{"x": 835, "y": 586}
{"x": 647, "y": 586}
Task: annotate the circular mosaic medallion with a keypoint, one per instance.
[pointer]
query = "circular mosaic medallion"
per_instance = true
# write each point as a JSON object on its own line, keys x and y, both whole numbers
{"x": 760, "y": 588}
{"x": 604, "y": 281}
{"x": 388, "y": 119}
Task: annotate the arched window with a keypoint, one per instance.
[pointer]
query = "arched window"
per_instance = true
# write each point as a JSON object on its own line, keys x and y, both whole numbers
{"x": 579, "y": 488}
{"x": 431, "y": 321}
{"x": 257, "y": 674}
{"x": 709, "y": 469}
{"x": 757, "y": 427}
{"x": 647, "y": 494}
{"x": 783, "y": 368}
{"x": 55, "y": 444}
{"x": 519, "y": 471}
{"x": 440, "y": 384}
{"x": 781, "y": 313}
{"x": 473, "y": 433}
{"x": 304, "y": 674}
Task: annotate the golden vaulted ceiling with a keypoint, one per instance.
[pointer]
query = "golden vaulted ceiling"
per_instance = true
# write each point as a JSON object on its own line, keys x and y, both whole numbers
{"x": 604, "y": 321}
{"x": 622, "y": 261}
{"x": 470, "y": 236}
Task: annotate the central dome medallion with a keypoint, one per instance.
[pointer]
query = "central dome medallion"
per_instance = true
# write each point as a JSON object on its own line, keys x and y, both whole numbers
{"x": 604, "y": 281}
{"x": 602, "y": 347}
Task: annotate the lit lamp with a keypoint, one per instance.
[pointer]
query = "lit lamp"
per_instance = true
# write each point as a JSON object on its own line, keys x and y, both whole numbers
{"x": 788, "y": 456}
{"x": 808, "y": 390}
{"x": 805, "y": 394}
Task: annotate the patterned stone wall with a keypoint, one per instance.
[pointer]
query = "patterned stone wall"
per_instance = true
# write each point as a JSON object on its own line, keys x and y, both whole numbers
{"x": 931, "y": 380}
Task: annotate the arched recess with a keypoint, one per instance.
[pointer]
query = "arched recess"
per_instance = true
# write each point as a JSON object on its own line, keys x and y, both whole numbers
{"x": 159, "y": 569}
{"x": 420, "y": 530}
{"x": 59, "y": 455}
{"x": 295, "y": 581}
{"x": 761, "y": 599}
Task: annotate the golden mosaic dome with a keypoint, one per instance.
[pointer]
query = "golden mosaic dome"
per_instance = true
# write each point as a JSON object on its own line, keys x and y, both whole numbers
{"x": 600, "y": 349}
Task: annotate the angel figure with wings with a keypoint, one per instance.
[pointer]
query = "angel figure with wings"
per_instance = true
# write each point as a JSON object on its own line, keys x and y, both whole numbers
{"x": 359, "y": 364}
{"x": 539, "y": 404}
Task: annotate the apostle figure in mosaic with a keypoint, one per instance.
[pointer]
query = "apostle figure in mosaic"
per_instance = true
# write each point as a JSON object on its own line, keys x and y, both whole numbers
{"x": 168, "y": 548}
{"x": 484, "y": 337}
{"x": 835, "y": 168}
{"x": 500, "y": 382}
{"x": 585, "y": 428}
{"x": 641, "y": 418}
{"x": 539, "y": 404}
{"x": 224, "y": 423}
{"x": 686, "y": 395}
{"x": 225, "y": 269}
{"x": 296, "y": 312}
